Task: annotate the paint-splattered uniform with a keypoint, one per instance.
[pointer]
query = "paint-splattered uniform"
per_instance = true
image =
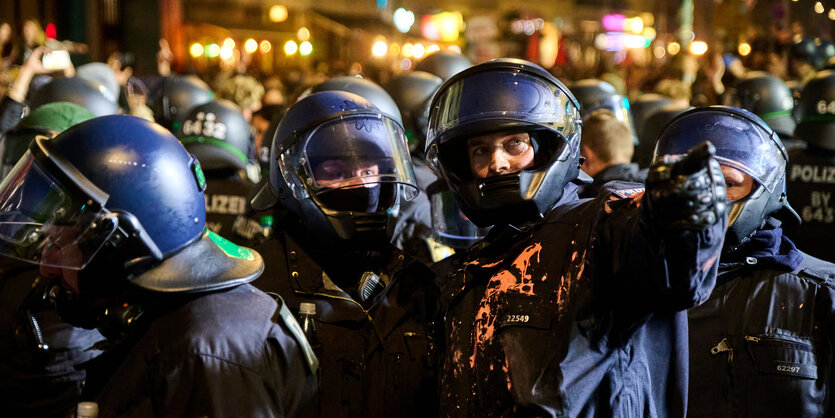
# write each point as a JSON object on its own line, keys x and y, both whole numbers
{"x": 576, "y": 315}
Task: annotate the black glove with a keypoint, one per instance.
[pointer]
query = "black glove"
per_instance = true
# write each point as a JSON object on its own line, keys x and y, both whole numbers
{"x": 686, "y": 192}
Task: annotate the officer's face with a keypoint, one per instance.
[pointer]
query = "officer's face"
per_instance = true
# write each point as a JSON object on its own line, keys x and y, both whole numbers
{"x": 499, "y": 153}
{"x": 737, "y": 183}
{"x": 335, "y": 174}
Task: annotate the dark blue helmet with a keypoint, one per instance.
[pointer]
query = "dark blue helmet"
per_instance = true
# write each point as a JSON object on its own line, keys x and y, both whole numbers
{"x": 123, "y": 187}
{"x": 364, "y": 88}
{"x": 500, "y": 96}
{"x": 341, "y": 167}
{"x": 218, "y": 134}
{"x": 743, "y": 142}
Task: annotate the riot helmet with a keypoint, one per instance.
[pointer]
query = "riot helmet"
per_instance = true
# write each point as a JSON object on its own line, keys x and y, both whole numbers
{"x": 652, "y": 127}
{"x": 743, "y": 142}
{"x": 47, "y": 120}
{"x": 444, "y": 64}
{"x": 505, "y": 95}
{"x": 101, "y": 73}
{"x": 175, "y": 97}
{"x": 815, "y": 112}
{"x": 364, "y": 88}
{"x": 767, "y": 97}
{"x": 593, "y": 94}
{"x": 91, "y": 96}
{"x": 218, "y": 135}
{"x": 413, "y": 94}
{"x": 119, "y": 199}
{"x": 340, "y": 166}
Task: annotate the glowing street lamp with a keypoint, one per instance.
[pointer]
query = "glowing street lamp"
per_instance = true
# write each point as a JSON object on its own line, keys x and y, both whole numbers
{"x": 305, "y": 48}
{"x": 290, "y": 47}
{"x": 379, "y": 49}
{"x": 698, "y": 47}
{"x": 196, "y": 50}
{"x": 250, "y": 46}
{"x": 265, "y": 46}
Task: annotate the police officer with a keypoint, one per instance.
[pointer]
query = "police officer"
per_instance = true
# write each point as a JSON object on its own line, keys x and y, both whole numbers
{"x": 38, "y": 352}
{"x": 218, "y": 135}
{"x": 412, "y": 227}
{"x": 113, "y": 208}
{"x": 762, "y": 344}
{"x": 568, "y": 307}
{"x": 594, "y": 94}
{"x": 769, "y": 98}
{"x": 340, "y": 169}
{"x": 811, "y": 174}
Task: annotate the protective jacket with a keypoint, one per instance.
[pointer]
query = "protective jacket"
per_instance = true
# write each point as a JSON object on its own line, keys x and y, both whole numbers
{"x": 762, "y": 345}
{"x": 36, "y": 382}
{"x": 376, "y": 360}
{"x": 577, "y": 315}
{"x": 811, "y": 190}
{"x": 219, "y": 354}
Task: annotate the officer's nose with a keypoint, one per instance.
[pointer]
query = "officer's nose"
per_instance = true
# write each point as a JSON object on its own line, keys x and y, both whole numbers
{"x": 499, "y": 163}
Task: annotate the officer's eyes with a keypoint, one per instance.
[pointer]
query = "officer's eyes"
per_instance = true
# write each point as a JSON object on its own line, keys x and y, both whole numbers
{"x": 516, "y": 146}
{"x": 479, "y": 151}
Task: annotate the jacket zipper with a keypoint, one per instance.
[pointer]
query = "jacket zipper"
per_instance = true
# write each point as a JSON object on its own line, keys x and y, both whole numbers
{"x": 764, "y": 340}
{"x": 723, "y": 347}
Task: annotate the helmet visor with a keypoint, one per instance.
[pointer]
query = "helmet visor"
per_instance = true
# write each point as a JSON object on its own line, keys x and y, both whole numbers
{"x": 511, "y": 97}
{"x": 449, "y": 224}
{"x": 42, "y": 221}
{"x": 738, "y": 144}
{"x": 357, "y": 151}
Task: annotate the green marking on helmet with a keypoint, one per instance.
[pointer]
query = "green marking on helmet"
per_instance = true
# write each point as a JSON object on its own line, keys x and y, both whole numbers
{"x": 215, "y": 142}
{"x": 230, "y": 248}
{"x": 819, "y": 118}
{"x": 267, "y": 220}
{"x": 198, "y": 173}
{"x": 777, "y": 114}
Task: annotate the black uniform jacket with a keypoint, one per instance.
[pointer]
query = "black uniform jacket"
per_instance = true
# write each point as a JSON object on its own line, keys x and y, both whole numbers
{"x": 762, "y": 345}
{"x": 577, "y": 315}
{"x": 218, "y": 355}
{"x": 375, "y": 361}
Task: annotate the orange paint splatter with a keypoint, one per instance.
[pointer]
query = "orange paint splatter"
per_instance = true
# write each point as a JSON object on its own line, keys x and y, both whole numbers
{"x": 501, "y": 283}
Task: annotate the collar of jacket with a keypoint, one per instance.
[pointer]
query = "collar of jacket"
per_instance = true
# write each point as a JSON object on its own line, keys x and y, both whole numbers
{"x": 333, "y": 305}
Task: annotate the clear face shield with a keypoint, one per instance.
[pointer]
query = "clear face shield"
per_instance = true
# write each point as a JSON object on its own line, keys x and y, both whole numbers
{"x": 501, "y": 100}
{"x": 357, "y": 163}
{"x": 450, "y": 226}
{"x": 48, "y": 220}
{"x": 738, "y": 146}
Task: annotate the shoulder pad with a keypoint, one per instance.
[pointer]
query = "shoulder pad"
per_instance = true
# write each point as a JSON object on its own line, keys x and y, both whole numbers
{"x": 818, "y": 269}
{"x": 284, "y": 316}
